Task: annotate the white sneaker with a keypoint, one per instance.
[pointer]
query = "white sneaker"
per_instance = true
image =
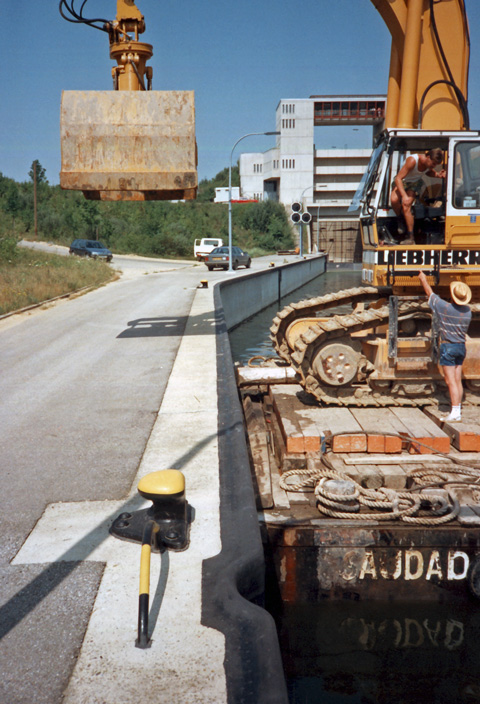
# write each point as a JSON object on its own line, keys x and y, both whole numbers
{"x": 452, "y": 418}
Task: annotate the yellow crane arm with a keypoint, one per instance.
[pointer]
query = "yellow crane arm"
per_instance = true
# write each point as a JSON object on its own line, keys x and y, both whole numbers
{"x": 429, "y": 59}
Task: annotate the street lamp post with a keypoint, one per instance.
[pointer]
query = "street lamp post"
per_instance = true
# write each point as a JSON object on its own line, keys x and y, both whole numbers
{"x": 250, "y": 134}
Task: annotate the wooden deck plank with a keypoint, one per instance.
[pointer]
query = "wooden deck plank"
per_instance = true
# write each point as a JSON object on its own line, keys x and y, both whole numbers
{"x": 351, "y": 471}
{"x": 371, "y": 477}
{"x": 305, "y": 427}
{"x": 394, "y": 476}
{"x": 290, "y": 428}
{"x": 299, "y": 497}
{"x": 286, "y": 461}
{"x": 465, "y": 435}
{"x": 422, "y": 429}
{"x": 469, "y": 513}
{"x": 258, "y": 436}
{"x": 299, "y": 430}
{"x": 280, "y": 498}
{"x": 377, "y": 424}
{"x": 339, "y": 423}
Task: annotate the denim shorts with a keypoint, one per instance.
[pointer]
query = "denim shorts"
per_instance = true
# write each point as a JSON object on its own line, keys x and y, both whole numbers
{"x": 452, "y": 354}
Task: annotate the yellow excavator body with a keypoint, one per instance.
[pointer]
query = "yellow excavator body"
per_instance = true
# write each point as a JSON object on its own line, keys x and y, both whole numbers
{"x": 386, "y": 351}
{"x": 131, "y": 143}
{"x": 426, "y": 75}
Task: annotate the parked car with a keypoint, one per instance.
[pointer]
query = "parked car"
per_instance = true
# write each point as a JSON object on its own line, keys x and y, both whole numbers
{"x": 90, "y": 248}
{"x": 219, "y": 258}
{"x": 204, "y": 246}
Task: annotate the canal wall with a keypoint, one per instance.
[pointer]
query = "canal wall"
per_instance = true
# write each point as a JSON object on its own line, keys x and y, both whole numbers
{"x": 233, "y": 581}
{"x": 242, "y": 297}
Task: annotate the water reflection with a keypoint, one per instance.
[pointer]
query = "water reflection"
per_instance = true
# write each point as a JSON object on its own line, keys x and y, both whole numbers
{"x": 381, "y": 653}
{"x": 252, "y": 337}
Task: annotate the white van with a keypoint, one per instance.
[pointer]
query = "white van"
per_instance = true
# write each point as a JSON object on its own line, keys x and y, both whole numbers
{"x": 204, "y": 246}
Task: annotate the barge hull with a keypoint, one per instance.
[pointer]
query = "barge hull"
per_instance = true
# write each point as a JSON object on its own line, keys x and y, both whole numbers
{"x": 338, "y": 560}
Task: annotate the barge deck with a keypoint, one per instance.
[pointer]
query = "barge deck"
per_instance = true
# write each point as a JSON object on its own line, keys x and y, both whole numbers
{"x": 363, "y": 503}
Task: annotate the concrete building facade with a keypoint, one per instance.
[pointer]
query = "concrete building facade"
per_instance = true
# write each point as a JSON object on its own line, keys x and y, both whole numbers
{"x": 323, "y": 180}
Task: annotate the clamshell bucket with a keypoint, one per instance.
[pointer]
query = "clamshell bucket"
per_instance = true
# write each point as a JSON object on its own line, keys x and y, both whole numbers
{"x": 129, "y": 145}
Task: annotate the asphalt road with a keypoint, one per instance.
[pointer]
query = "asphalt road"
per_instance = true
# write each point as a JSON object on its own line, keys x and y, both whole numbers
{"x": 81, "y": 384}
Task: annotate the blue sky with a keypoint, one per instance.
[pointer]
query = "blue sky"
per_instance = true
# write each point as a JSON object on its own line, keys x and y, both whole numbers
{"x": 240, "y": 59}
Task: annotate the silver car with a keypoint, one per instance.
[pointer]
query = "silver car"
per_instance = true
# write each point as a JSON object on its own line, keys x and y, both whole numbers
{"x": 219, "y": 257}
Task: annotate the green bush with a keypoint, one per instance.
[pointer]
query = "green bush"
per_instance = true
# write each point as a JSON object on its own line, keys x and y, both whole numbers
{"x": 151, "y": 228}
{"x": 8, "y": 249}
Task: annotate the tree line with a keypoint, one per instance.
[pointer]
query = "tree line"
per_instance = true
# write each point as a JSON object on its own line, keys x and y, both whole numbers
{"x": 155, "y": 228}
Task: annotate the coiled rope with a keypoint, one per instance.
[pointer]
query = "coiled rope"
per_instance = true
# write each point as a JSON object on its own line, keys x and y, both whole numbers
{"x": 340, "y": 496}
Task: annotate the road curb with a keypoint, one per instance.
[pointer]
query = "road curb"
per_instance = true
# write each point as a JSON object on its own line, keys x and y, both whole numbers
{"x": 85, "y": 289}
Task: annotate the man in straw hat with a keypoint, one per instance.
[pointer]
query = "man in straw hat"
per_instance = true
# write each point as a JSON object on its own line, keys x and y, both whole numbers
{"x": 454, "y": 319}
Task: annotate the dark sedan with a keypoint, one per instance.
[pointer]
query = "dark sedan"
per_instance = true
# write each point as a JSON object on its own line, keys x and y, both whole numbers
{"x": 219, "y": 257}
{"x": 90, "y": 248}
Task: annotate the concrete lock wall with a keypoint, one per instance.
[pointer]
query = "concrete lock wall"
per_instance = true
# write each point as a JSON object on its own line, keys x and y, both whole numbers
{"x": 243, "y": 297}
{"x": 233, "y": 581}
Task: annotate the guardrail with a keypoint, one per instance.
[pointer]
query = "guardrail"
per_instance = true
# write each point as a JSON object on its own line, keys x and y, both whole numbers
{"x": 242, "y": 297}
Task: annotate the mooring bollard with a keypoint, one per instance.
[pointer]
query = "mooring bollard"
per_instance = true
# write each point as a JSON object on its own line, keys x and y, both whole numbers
{"x": 164, "y": 525}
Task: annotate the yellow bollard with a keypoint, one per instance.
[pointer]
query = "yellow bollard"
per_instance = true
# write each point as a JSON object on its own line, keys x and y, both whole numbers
{"x": 165, "y": 525}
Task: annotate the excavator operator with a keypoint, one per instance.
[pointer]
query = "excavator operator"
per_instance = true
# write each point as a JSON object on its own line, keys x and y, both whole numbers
{"x": 409, "y": 183}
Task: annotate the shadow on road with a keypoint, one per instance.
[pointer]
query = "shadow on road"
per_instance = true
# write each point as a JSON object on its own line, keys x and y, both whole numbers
{"x": 155, "y": 327}
{"x": 165, "y": 326}
{"x": 27, "y": 598}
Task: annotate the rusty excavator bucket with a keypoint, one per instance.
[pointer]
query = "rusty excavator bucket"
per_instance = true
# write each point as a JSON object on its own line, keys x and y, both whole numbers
{"x": 131, "y": 143}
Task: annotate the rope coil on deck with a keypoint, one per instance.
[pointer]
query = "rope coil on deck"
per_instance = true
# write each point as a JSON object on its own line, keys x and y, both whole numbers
{"x": 415, "y": 506}
{"x": 387, "y": 504}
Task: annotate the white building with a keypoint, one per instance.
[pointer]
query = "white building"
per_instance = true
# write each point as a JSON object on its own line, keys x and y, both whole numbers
{"x": 323, "y": 180}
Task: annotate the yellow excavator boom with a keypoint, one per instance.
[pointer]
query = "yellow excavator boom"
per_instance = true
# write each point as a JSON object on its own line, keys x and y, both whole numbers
{"x": 131, "y": 143}
{"x": 428, "y": 63}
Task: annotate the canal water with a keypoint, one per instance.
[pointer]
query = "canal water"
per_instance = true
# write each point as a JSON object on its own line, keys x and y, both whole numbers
{"x": 251, "y": 338}
{"x": 354, "y": 652}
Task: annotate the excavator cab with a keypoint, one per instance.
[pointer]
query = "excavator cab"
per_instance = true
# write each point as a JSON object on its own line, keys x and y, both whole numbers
{"x": 131, "y": 143}
{"x": 446, "y": 212}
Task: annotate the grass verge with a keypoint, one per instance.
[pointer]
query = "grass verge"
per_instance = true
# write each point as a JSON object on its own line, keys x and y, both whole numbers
{"x": 31, "y": 277}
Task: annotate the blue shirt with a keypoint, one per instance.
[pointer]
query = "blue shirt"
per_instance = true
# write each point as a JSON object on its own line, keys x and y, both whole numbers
{"x": 453, "y": 319}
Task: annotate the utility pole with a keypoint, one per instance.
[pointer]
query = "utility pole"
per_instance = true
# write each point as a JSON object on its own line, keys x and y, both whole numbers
{"x": 35, "y": 196}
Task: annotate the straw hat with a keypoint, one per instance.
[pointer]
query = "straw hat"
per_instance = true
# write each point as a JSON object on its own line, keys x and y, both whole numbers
{"x": 460, "y": 292}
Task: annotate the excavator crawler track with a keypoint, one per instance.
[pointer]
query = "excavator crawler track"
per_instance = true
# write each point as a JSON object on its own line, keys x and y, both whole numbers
{"x": 309, "y": 308}
{"x": 337, "y": 329}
